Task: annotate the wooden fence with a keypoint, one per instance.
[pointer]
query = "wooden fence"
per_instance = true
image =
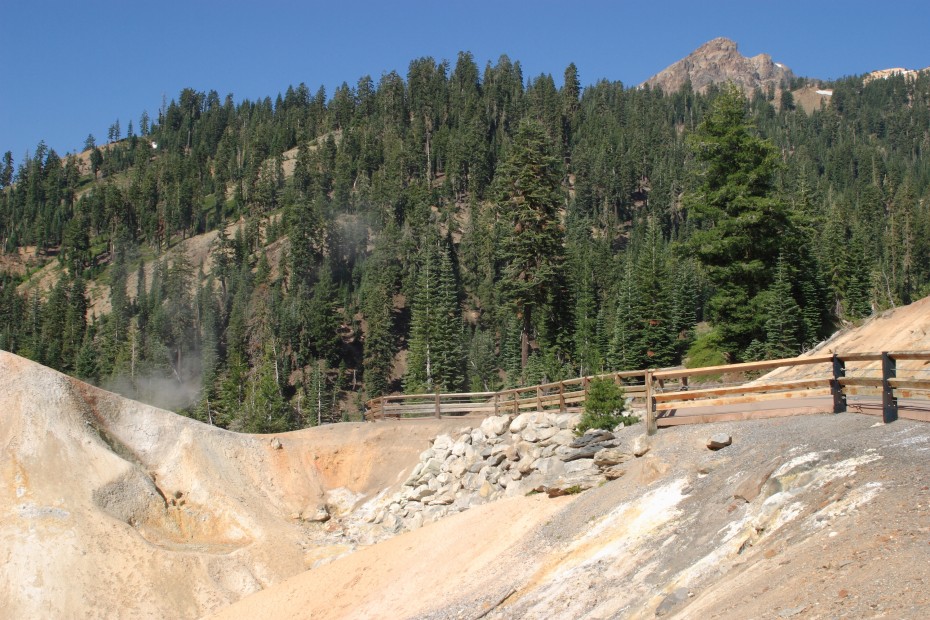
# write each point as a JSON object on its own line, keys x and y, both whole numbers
{"x": 697, "y": 395}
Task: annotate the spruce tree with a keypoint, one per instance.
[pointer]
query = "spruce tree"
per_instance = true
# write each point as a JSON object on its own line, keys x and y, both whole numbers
{"x": 741, "y": 223}
{"x": 530, "y": 196}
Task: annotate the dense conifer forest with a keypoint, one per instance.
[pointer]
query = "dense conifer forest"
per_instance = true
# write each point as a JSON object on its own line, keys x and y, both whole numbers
{"x": 462, "y": 229}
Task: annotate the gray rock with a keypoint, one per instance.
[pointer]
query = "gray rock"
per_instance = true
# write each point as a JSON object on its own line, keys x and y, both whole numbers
{"x": 612, "y": 473}
{"x": 611, "y": 456}
{"x": 458, "y": 449}
{"x": 564, "y": 437}
{"x": 641, "y": 445}
{"x": 586, "y": 452}
{"x": 719, "y": 440}
{"x": 495, "y": 459}
{"x": 443, "y": 499}
{"x": 414, "y": 522}
{"x": 550, "y": 466}
{"x": 545, "y": 433}
{"x": 391, "y": 523}
{"x": 495, "y": 425}
{"x": 442, "y": 442}
{"x": 276, "y": 444}
{"x": 477, "y": 436}
{"x": 525, "y": 465}
{"x": 580, "y": 465}
{"x": 590, "y": 437}
{"x": 422, "y": 492}
{"x": 530, "y": 435}
{"x": 458, "y": 469}
{"x": 520, "y": 422}
{"x": 432, "y": 467}
{"x": 572, "y": 483}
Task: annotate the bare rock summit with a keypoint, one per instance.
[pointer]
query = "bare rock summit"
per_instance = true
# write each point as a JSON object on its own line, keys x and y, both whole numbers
{"x": 717, "y": 62}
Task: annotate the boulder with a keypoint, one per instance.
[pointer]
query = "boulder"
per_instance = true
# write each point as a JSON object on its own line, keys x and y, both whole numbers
{"x": 544, "y": 433}
{"x": 443, "y": 499}
{"x": 586, "y": 452}
{"x": 611, "y": 456}
{"x": 549, "y": 466}
{"x": 641, "y": 445}
{"x": 495, "y": 425}
{"x": 443, "y": 442}
{"x": 520, "y": 422}
{"x": 530, "y": 435}
{"x": 580, "y": 465}
{"x": 612, "y": 473}
{"x": 564, "y": 437}
{"x": 592, "y": 436}
{"x": 718, "y": 441}
{"x": 571, "y": 484}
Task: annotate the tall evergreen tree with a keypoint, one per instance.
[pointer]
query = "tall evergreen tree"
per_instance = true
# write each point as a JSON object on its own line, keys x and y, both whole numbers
{"x": 529, "y": 199}
{"x": 741, "y": 223}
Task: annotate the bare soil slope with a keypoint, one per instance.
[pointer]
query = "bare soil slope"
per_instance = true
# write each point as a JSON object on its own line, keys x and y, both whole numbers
{"x": 111, "y": 508}
{"x": 812, "y": 517}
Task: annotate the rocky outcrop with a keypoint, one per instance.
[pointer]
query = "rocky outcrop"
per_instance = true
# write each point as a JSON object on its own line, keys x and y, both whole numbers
{"x": 505, "y": 456}
{"x": 717, "y": 62}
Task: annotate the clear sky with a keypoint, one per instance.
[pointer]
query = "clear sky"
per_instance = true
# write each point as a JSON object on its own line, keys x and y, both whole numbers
{"x": 70, "y": 67}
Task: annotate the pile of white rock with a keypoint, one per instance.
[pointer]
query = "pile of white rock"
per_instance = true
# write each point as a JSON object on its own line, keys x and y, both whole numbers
{"x": 504, "y": 457}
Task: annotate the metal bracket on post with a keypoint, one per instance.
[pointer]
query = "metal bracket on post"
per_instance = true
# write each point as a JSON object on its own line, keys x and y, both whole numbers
{"x": 889, "y": 402}
{"x": 839, "y": 396}
{"x": 651, "y": 425}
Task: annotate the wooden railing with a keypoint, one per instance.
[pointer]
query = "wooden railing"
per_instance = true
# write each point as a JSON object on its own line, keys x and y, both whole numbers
{"x": 695, "y": 395}
{"x": 566, "y": 396}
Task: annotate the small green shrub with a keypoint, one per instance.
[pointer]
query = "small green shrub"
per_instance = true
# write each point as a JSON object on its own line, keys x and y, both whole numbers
{"x": 604, "y": 407}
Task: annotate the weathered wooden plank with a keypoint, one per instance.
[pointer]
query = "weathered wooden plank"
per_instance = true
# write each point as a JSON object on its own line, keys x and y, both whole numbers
{"x": 706, "y": 418}
{"x": 741, "y": 389}
{"x": 911, "y": 384}
{"x": 910, "y": 355}
{"x": 743, "y": 400}
{"x": 860, "y": 381}
{"x": 860, "y": 357}
{"x": 745, "y": 367}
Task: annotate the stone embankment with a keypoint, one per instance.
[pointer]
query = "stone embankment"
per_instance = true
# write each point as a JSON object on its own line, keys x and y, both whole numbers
{"x": 505, "y": 456}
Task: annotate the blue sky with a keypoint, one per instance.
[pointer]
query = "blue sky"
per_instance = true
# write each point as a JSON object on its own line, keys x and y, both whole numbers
{"x": 72, "y": 68}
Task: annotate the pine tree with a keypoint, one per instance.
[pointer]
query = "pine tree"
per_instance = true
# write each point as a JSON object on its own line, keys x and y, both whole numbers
{"x": 783, "y": 318}
{"x": 741, "y": 223}
{"x": 529, "y": 199}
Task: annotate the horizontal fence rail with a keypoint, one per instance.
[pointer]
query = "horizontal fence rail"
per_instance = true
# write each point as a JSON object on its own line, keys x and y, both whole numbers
{"x": 673, "y": 396}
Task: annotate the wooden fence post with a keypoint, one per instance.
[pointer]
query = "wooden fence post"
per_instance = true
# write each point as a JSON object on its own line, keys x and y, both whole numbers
{"x": 651, "y": 426}
{"x": 496, "y": 398}
{"x": 438, "y": 414}
{"x": 539, "y": 406}
{"x": 889, "y": 402}
{"x": 839, "y": 396}
{"x": 516, "y": 405}
{"x": 561, "y": 397}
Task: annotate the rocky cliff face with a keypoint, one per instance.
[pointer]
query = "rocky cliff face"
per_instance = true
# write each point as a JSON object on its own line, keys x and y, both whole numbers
{"x": 719, "y": 61}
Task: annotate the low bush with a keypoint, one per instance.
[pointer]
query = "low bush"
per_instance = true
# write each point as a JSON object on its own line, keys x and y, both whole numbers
{"x": 604, "y": 407}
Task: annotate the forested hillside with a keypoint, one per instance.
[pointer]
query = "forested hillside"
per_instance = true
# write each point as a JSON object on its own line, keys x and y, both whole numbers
{"x": 462, "y": 229}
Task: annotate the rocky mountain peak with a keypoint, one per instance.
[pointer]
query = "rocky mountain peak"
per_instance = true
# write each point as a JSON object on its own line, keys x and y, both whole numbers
{"x": 719, "y": 61}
